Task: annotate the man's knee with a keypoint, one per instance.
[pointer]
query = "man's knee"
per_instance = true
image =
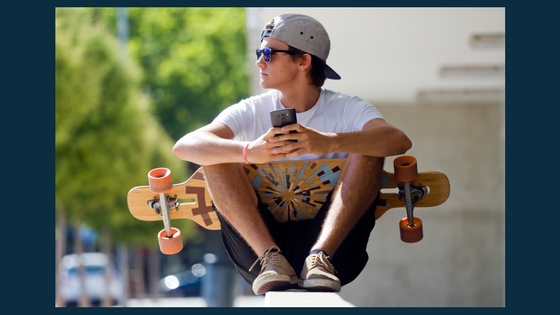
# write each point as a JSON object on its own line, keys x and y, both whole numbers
{"x": 364, "y": 159}
{"x": 221, "y": 173}
{"x": 217, "y": 168}
{"x": 361, "y": 176}
{"x": 228, "y": 181}
{"x": 362, "y": 165}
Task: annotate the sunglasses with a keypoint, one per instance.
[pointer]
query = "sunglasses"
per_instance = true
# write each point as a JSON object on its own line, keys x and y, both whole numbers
{"x": 267, "y": 52}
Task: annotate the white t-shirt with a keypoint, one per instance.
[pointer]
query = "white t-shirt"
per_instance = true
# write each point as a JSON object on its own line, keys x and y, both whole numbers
{"x": 334, "y": 112}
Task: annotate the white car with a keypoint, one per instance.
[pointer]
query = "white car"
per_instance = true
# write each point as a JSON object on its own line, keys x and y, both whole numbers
{"x": 96, "y": 284}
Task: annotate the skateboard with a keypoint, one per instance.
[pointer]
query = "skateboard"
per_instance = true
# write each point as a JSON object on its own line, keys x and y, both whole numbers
{"x": 292, "y": 190}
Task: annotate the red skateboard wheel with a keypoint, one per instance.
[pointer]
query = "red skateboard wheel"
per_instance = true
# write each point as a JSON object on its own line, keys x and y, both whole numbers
{"x": 172, "y": 244}
{"x": 406, "y": 169}
{"x": 160, "y": 180}
{"x": 411, "y": 234}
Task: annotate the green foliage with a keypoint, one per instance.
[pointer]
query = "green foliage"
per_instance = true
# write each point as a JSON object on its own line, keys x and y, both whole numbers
{"x": 106, "y": 138}
{"x": 117, "y": 119}
{"x": 194, "y": 60}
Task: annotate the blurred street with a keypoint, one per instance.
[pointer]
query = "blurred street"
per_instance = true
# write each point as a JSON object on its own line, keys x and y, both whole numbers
{"x": 240, "y": 301}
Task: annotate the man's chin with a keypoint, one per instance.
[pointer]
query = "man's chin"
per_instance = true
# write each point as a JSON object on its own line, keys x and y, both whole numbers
{"x": 264, "y": 85}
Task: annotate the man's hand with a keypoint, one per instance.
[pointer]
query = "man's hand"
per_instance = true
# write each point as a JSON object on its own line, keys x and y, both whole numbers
{"x": 262, "y": 150}
{"x": 309, "y": 141}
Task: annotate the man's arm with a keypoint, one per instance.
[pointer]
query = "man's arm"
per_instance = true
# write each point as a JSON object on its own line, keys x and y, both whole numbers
{"x": 209, "y": 145}
{"x": 377, "y": 138}
{"x": 214, "y": 144}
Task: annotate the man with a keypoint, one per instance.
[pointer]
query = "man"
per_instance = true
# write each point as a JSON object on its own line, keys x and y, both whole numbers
{"x": 328, "y": 251}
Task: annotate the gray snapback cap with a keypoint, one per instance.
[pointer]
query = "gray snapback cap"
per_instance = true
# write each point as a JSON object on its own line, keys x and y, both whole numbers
{"x": 304, "y": 33}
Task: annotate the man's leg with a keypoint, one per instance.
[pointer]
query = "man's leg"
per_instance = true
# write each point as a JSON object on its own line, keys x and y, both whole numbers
{"x": 355, "y": 192}
{"x": 352, "y": 196}
{"x": 234, "y": 197}
{"x": 235, "y": 200}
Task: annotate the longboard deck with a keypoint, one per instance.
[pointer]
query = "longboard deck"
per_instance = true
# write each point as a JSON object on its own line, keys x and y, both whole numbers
{"x": 292, "y": 190}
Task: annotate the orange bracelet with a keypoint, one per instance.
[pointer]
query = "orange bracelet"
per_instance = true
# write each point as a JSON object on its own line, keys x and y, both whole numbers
{"x": 245, "y": 153}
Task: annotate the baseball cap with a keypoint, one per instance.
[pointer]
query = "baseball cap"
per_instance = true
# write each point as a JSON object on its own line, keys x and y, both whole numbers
{"x": 304, "y": 33}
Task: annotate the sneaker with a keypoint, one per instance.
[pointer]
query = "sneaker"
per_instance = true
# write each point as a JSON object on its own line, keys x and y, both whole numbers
{"x": 318, "y": 274}
{"x": 276, "y": 273}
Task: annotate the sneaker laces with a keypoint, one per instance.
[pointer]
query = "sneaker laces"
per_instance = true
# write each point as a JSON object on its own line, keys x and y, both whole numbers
{"x": 322, "y": 261}
{"x": 266, "y": 259}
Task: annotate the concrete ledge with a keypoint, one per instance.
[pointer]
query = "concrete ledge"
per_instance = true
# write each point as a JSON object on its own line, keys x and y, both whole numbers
{"x": 304, "y": 299}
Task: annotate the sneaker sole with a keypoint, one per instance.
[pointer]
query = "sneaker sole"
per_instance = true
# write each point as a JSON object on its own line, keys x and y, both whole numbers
{"x": 321, "y": 285}
{"x": 279, "y": 284}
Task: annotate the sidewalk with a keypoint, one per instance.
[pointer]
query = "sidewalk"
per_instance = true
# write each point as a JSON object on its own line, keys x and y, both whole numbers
{"x": 240, "y": 301}
{"x": 271, "y": 299}
{"x": 304, "y": 299}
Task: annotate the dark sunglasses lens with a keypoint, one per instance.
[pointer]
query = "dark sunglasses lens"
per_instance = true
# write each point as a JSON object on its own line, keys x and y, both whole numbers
{"x": 267, "y": 53}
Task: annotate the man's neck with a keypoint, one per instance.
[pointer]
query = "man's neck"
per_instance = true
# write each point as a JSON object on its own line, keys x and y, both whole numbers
{"x": 301, "y": 98}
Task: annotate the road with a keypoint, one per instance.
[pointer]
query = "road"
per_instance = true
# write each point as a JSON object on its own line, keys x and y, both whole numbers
{"x": 240, "y": 301}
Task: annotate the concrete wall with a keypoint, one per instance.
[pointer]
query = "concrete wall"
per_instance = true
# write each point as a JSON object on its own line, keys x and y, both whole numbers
{"x": 461, "y": 260}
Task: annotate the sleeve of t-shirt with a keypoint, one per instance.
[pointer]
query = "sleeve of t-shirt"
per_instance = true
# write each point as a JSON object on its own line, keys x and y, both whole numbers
{"x": 237, "y": 117}
{"x": 364, "y": 112}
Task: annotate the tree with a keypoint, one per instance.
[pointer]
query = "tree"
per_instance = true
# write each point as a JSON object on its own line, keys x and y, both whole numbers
{"x": 115, "y": 119}
{"x": 194, "y": 60}
{"x": 106, "y": 136}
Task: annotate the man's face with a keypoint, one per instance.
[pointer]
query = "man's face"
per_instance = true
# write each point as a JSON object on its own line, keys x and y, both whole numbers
{"x": 280, "y": 70}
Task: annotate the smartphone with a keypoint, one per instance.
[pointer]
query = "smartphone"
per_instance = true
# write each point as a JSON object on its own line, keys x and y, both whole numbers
{"x": 283, "y": 117}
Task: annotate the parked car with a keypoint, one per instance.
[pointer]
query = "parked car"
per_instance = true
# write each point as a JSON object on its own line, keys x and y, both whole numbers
{"x": 186, "y": 283}
{"x": 95, "y": 265}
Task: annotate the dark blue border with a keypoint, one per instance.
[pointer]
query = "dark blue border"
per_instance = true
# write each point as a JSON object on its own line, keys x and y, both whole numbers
{"x": 531, "y": 98}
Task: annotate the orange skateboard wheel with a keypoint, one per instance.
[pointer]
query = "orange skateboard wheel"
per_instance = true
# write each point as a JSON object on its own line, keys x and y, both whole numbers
{"x": 160, "y": 180}
{"x": 411, "y": 234}
{"x": 406, "y": 169}
{"x": 172, "y": 244}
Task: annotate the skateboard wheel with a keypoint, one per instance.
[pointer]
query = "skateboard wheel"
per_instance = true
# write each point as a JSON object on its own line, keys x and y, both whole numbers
{"x": 406, "y": 169}
{"x": 411, "y": 234}
{"x": 160, "y": 180}
{"x": 172, "y": 244}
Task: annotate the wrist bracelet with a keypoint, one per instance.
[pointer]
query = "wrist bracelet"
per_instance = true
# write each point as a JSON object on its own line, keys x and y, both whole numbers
{"x": 245, "y": 153}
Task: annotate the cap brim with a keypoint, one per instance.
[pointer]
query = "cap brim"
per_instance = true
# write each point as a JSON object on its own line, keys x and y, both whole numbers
{"x": 330, "y": 73}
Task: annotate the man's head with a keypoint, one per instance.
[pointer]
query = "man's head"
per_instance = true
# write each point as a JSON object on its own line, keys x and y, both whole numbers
{"x": 305, "y": 35}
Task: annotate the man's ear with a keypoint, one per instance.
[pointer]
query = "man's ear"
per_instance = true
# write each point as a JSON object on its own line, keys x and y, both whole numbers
{"x": 305, "y": 62}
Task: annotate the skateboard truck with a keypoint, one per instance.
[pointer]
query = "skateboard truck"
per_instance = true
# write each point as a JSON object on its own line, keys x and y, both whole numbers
{"x": 416, "y": 192}
{"x": 170, "y": 241}
{"x": 406, "y": 171}
{"x": 171, "y": 203}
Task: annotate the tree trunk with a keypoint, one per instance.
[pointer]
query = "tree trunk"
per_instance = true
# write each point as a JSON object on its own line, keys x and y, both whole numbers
{"x": 78, "y": 250}
{"x": 153, "y": 271}
{"x": 106, "y": 249}
{"x": 124, "y": 270}
{"x": 60, "y": 251}
{"x": 139, "y": 285}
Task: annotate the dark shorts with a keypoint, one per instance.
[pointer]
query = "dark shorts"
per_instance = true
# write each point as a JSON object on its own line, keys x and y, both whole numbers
{"x": 295, "y": 240}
